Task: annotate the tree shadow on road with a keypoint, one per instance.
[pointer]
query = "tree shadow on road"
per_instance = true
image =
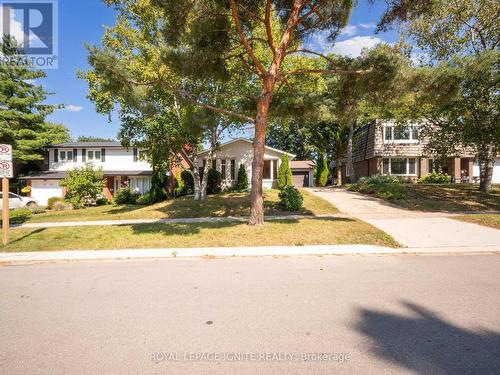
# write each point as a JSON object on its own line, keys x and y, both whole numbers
{"x": 427, "y": 344}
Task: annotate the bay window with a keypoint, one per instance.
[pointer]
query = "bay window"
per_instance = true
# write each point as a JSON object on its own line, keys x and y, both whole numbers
{"x": 400, "y": 166}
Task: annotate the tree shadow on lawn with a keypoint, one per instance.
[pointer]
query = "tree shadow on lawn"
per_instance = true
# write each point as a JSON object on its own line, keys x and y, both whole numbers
{"x": 31, "y": 233}
{"x": 217, "y": 205}
{"x": 427, "y": 344}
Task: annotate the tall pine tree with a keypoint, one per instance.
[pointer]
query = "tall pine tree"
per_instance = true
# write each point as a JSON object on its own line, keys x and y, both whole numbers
{"x": 22, "y": 112}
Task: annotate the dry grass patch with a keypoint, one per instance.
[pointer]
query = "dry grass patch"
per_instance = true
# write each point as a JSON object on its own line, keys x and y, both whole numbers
{"x": 220, "y": 205}
{"x": 492, "y": 220}
{"x": 272, "y": 233}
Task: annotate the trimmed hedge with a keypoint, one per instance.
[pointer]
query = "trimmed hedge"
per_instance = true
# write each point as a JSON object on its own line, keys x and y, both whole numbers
{"x": 435, "y": 178}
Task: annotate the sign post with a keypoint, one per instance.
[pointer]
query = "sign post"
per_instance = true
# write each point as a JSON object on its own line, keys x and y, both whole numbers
{"x": 6, "y": 172}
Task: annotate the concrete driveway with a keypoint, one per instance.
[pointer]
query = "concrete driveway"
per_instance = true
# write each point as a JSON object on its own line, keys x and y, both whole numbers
{"x": 413, "y": 229}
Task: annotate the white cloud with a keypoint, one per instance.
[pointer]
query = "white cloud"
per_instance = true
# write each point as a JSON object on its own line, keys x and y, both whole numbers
{"x": 73, "y": 108}
{"x": 367, "y": 25}
{"x": 16, "y": 28}
{"x": 354, "y": 46}
{"x": 349, "y": 30}
{"x": 350, "y": 47}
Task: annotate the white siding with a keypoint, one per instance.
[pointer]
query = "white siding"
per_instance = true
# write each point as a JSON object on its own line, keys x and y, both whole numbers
{"x": 41, "y": 191}
{"x": 117, "y": 159}
{"x": 242, "y": 152}
{"x": 496, "y": 171}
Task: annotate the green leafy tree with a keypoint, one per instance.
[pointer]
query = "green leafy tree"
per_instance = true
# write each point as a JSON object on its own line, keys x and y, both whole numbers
{"x": 322, "y": 170}
{"x": 284, "y": 173}
{"x": 457, "y": 94}
{"x": 242, "y": 182}
{"x": 289, "y": 136}
{"x": 83, "y": 138}
{"x": 83, "y": 185}
{"x": 22, "y": 114}
{"x": 208, "y": 39}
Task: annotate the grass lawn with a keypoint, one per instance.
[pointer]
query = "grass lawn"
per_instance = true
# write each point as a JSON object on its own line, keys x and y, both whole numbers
{"x": 314, "y": 231}
{"x": 433, "y": 197}
{"x": 221, "y": 205}
{"x": 492, "y": 220}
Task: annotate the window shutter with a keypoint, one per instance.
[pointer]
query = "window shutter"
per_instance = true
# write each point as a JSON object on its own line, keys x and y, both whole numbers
{"x": 56, "y": 155}
{"x": 135, "y": 154}
{"x": 75, "y": 151}
{"x": 103, "y": 155}
{"x": 84, "y": 155}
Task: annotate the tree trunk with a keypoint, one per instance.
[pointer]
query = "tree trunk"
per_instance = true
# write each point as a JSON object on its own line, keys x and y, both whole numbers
{"x": 339, "y": 171}
{"x": 200, "y": 182}
{"x": 486, "y": 162}
{"x": 259, "y": 142}
{"x": 350, "y": 164}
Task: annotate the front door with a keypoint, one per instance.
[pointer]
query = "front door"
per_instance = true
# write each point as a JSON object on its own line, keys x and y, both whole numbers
{"x": 117, "y": 184}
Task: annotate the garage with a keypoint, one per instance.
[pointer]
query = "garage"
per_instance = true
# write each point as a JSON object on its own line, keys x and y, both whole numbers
{"x": 496, "y": 171}
{"x": 42, "y": 190}
{"x": 300, "y": 178}
{"x": 302, "y": 173}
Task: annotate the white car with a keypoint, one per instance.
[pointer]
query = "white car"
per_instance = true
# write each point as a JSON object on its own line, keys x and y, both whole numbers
{"x": 16, "y": 201}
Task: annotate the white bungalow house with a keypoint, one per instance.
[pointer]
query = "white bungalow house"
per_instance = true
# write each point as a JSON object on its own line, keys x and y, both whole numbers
{"x": 228, "y": 157}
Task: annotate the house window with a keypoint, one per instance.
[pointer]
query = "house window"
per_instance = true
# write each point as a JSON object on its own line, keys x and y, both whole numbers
{"x": 400, "y": 166}
{"x": 223, "y": 168}
{"x": 214, "y": 164}
{"x": 401, "y": 134}
{"x": 141, "y": 185}
{"x": 93, "y": 155}
{"x": 66, "y": 155}
{"x": 233, "y": 169}
{"x": 267, "y": 170}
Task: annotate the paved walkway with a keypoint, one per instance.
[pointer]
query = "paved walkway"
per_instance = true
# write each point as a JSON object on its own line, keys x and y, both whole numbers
{"x": 413, "y": 229}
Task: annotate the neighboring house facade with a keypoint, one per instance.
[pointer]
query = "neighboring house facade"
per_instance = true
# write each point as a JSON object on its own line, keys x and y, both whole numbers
{"x": 121, "y": 167}
{"x": 228, "y": 157}
{"x": 383, "y": 148}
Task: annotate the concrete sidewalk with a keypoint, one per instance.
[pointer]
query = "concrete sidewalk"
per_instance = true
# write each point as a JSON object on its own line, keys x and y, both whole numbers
{"x": 412, "y": 229}
{"x": 263, "y": 251}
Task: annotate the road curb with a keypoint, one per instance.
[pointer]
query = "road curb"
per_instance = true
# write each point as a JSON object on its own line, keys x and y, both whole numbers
{"x": 271, "y": 251}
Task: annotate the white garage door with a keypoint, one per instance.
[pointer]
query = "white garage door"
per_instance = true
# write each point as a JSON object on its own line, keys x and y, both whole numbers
{"x": 41, "y": 191}
{"x": 496, "y": 171}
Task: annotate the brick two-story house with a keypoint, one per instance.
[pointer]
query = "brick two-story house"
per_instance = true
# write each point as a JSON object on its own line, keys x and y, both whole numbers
{"x": 121, "y": 167}
{"x": 382, "y": 148}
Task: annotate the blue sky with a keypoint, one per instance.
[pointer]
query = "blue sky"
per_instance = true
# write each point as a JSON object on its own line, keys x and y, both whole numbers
{"x": 82, "y": 22}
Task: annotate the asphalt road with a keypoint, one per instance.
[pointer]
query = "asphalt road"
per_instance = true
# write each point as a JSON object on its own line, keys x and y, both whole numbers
{"x": 311, "y": 315}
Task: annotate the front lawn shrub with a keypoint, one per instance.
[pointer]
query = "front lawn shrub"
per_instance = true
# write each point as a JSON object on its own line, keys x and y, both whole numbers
{"x": 36, "y": 209}
{"x": 188, "y": 181}
{"x": 52, "y": 201}
{"x": 18, "y": 216}
{"x": 242, "y": 181}
{"x": 385, "y": 187}
{"x": 284, "y": 173}
{"x": 214, "y": 182}
{"x": 62, "y": 206}
{"x": 125, "y": 196}
{"x": 290, "y": 199}
{"x": 145, "y": 200}
{"x": 83, "y": 186}
{"x": 322, "y": 170}
{"x": 102, "y": 201}
{"x": 435, "y": 178}
{"x": 178, "y": 190}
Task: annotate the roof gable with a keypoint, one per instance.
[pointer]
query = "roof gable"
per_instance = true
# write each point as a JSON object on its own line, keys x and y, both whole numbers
{"x": 245, "y": 140}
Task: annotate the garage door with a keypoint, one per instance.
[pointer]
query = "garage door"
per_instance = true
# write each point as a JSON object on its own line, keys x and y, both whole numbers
{"x": 41, "y": 191}
{"x": 300, "y": 179}
{"x": 496, "y": 171}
